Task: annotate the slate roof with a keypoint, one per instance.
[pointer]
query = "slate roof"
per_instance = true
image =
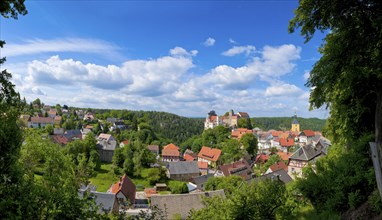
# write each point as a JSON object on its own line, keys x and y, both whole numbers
{"x": 295, "y": 121}
{"x": 183, "y": 167}
{"x": 174, "y": 204}
{"x": 105, "y": 200}
{"x": 279, "y": 174}
{"x": 201, "y": 180}
{"x": 306, "y": 153}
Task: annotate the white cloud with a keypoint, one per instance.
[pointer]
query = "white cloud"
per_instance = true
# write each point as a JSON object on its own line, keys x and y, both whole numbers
{"x": 232, "y": 41}
{"x": 306, "y": 75}
{"x": 209, "y": 42}
{"x": 38, "y": 46}
{"x": 249, "y": 49}
{"x": 282, "y": 90}
{"x": 165, "y": 84}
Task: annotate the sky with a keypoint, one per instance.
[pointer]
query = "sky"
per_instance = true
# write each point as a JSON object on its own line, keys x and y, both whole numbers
{"x": 182, "y": 57}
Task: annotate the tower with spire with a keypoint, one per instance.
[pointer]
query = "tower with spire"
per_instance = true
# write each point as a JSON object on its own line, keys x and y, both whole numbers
{"x": 295, "y": 124}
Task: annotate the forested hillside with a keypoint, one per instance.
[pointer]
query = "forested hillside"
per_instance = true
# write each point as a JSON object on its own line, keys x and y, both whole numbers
{"x": 175, "y": 127}
{"x": 284, "y": 123}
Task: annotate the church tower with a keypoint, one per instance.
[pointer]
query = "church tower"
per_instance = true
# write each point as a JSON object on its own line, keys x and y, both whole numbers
{"x": 295, "y": 124}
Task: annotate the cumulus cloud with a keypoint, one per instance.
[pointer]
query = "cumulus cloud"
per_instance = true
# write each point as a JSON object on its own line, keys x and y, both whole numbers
{"x": 282, "y": 90}
{"x": 249, "y": 49}
{"x": 38, "y": 46}
{"x": 209, "y": 42}
{"x": 232, "y": 41}
{"x": 143, "y": 77}
{"x": 165, "y": 83}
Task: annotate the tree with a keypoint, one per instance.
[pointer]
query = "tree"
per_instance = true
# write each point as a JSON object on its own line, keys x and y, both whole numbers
{"x": 10, "y": 132}
{"x": 250, "y": 143}
{"x": 348, "y": 77}
{"x": 49, "y": 129}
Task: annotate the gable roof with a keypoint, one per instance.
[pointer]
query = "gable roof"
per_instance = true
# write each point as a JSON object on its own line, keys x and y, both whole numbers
{"x": 306, "y": 153}
{"x": 240, "y": 168}
{"x": 279, "y": 174}
{"x": 283, "y": 155}
{"x": 170, "y": 153}
{"x": 202, "y": 165}
{"x": 200, "y": 180}
{"x": 104, "y": 136}
{"x": 43, "y": 120}
{"x": 188, "y": 157}
{"x": 126, "y": 186}
{"x": 171, "y": 147}
{"x": 278, "y": 166}
{"x": 183, "y": 167}
{"x": 182, "y": 203}
{"x": 308, "y": 133}
{"x": 286, "y": 142}
{"x": 153, "y": 148}
{"x": 211, "y": 154}
{"x": 261, "y": 158}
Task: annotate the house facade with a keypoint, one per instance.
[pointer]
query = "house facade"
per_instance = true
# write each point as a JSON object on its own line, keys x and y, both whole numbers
{"x": 124, "y": 191}
{"x": 183, "y": 170}
{"x": 209, "y": 155}
{"x": 106, "y": 145}
{"x": 40, "y": 122}
{"x": 170, "y": 153}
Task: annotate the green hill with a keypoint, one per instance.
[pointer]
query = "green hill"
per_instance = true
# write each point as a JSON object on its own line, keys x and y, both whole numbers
{"x": 284, "y": 123}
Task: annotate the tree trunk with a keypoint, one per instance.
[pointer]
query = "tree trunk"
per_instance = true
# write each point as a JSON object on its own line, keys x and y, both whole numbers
{"x": 376, "y": 147}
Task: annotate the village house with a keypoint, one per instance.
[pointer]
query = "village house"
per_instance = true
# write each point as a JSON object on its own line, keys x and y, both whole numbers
{"x": 106, "y": 145}
{"x": 240, "y": 168}
{"x": 239, "y": 132}
{"x": 230, "y": 120}
{"x": 124, "y": 191}
{"x": 183, "y": 170}
{"x": 40, "y": 122}
{"x": 57, "y": 120}
{"x": 306, "y": 136}
{"x": 106, "y": 202}
{"x": 304, "y": 155}
{"x": 279, "y": 175}
{"x": 212, "y": 120}
{"x": 203, "y": 167}
{"x": 209, "y": 155}
{"x": 170, "y": 153}
{"x": 154, "y": 149}
{"x": 277, "y": 166}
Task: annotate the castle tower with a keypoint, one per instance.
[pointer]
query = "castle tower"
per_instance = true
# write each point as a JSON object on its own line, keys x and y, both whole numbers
{"x": 295, "y": 124}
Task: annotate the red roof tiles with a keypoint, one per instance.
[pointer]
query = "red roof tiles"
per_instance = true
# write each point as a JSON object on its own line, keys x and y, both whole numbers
{"x": 278, "y": 166}
{"x": 211, "y": 154}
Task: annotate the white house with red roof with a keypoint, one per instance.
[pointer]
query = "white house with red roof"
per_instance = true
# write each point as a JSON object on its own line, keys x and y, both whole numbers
{"x": 209, "y": 155}
{"x": 124, "y": 191}
{"x": 170, "y": 153}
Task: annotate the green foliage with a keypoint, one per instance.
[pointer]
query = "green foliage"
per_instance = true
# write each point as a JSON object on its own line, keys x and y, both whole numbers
{"x": 49, "y": 129}
{"x": 279, "y": 123}
{"x": 250, "y": 143}
{"x": 261, "y": 200}
{"x": 155, "y": 175}
{"x": 229, "y": 184}
{"x": 341, "y": 180}
{"x": 231, "y": 151}
{"x": 177, "y": 187}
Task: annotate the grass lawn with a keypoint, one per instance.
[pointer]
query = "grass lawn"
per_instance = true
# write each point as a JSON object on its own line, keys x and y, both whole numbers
{"x": 104, "y": 178}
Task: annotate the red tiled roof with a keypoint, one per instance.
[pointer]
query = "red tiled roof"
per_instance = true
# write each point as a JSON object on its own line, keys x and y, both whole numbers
{"x": 211, "y": 154}
{"x": 150, "y": 191}
{"x": 238, "y": 133}
{"x": 188, "y": 157}
{"x": 261, "y": 158}
{"x": 309, "y": 133}
{"x": 126, "y": 186}
{"x": 276, "y": 133}
{"x": 125, "y": 142}
{"x": 57, "y": 118}
{"x": 283, "y": 155}
{"x": 286, "y": 142}
{"x": 41, "y": 120}
{"x": 284, "y": 135}
{"x": 60, "y": 139}
{"x": 278, "y": 166}
{"x": 171, "y": 146}
{"x": 240, "y": 168}
{"x": 170, "y": 152}
{"x": 202, "y": 165}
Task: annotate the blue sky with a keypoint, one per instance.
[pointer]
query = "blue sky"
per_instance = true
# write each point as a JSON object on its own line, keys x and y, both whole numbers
{"x": 183, "y": 57}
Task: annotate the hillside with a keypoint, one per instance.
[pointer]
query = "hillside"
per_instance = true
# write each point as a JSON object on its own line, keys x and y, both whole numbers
{"x": 284, "y": 123}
